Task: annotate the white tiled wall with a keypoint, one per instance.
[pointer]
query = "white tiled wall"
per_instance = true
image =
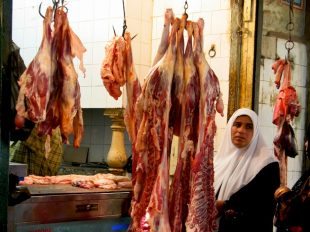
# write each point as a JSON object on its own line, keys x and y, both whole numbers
{"x": 268, "y": 94}
{"x": 217, "y": 18}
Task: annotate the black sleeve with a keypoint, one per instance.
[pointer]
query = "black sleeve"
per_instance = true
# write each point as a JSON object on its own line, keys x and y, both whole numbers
{"x": 254, "y": 203}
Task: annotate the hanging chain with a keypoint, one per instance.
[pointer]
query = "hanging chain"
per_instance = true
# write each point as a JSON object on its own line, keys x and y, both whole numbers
{"x": 185, "y": 7}
{"x": 124, "y": 24}
{"x": 289, "y": 44}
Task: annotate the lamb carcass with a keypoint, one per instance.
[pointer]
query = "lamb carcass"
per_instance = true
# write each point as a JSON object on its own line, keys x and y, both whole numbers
{"x": 201, "y": 216}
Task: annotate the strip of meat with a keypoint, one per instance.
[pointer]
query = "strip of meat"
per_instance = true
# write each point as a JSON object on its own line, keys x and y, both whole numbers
{"x": 36, "y": 82}
{"x": 177, "y": 82}
{"x": 201, "y": 216}
{"x": 164, "y": 42}
{"x": 113, "y": 70}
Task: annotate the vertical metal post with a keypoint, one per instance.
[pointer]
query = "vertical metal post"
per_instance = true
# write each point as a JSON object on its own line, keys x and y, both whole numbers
{"x": 5, "y": 91}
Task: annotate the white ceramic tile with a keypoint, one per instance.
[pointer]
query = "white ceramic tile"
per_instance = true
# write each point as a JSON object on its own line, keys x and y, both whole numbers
{"x": 265, "y": 115}
{"x": 145, "y": 54}
{"x": 18, "y": 18}
{"x": 88, "y": 54}
{"x": 268, "y": 72}
{"x": 135, "y": 27}
{"x": 87, "y": 80}
{"x": 268, "y": 135}
{"x": 96, "y": 76}
{"x": 28, "y": 54}
{"x": 18, "y": 37}
{"x": 85, "y": 97}
{"x": 134, "y": 10}
{"x": 225, "y": 45}
{"x": 18, "y": 4}
{"x": 147, "y": 10}
{"x": 302, "y": 96}
{"x": 117, "y": 23}
{"x": 85, "y": 32}
{"x": 98, "y": 52}
{"x": 117, "y": 8}
{"x": 221, "y": 68}
{"x": 136, "y": 52}
{"x": 102, "y": 30}
{"x": 224, "y": 85}
{"x": 86, "y": 10}
{"x": 145, "y": 32}
{"x": 225, "y": 4}
{"x": 220, "y": 22}
{"x": 102, "y": 9}
{"x": 32, "y": 17}
{"x": 299, "y": 75}
{"x": 98, "y": 97}
{"x": 30, "y": 34}
{"x": 211, "y": 5}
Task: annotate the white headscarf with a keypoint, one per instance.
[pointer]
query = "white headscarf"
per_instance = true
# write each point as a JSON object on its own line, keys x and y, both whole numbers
{"x": 235, "y": 167}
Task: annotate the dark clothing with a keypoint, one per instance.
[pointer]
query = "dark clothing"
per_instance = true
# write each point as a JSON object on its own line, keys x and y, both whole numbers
{"x": 295, "y": 206}
{"x": 251, "y": 209}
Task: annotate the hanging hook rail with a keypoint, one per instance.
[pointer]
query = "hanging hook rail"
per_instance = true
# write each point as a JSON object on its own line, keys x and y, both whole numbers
{"x": 289, "y": 44}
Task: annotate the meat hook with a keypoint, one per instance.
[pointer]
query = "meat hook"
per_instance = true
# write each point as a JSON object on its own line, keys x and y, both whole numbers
{"x": 124, "y": 25}
{"x": 55, "y": 6}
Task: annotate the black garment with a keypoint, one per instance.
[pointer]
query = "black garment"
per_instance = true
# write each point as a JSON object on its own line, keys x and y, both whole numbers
{"x": 297, "y": 206}
{"x": 251, "y": 209}
{"x": 17, "y": 67}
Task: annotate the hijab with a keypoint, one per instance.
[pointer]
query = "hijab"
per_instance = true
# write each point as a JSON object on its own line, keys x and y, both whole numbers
{"x": 236, "y": 167}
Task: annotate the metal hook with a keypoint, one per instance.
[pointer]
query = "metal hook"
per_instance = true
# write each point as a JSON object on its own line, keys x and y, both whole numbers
{"x": 124, "y": 25}
{"x": 212, "y": 51}
{"x": 55, "y": 7}
{"x": 185, "y": 7}
{"x": 40, "y": 11}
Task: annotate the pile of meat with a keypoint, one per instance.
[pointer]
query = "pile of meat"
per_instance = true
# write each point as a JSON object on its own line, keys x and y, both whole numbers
{"x": 49, "y": 89}
{"x": 104, "y": 181}
{"x": 180, "y": 96}
{"x": 286, "y": 108}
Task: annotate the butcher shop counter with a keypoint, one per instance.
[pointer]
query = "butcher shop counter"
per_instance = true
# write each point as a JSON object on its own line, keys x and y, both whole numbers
{"x": 62, "y": 207}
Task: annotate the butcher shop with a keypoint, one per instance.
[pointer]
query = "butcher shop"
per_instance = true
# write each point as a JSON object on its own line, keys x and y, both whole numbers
{"x": 153, "y": 115}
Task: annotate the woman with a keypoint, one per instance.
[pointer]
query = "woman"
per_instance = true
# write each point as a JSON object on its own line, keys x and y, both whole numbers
{"x": 246, "y": 177}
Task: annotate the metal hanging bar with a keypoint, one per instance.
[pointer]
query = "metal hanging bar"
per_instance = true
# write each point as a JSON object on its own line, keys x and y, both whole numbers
{"x": 124, "y": 24}
{"x": 289, "y": 44}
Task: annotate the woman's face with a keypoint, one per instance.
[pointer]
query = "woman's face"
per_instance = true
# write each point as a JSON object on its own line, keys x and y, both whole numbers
{"x": 242, "y": 131}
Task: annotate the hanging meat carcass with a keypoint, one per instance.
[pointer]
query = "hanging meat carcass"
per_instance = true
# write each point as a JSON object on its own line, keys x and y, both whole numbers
{"x": 70, "y": 47}
{"x": 36, "y": 82}
{"x": 133, "y": 90}
{"x": 150, "y": 199}
{"x": 286, "y": 108}
{"x": 179, "y": 194}
{"x": 201, "y": 216}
